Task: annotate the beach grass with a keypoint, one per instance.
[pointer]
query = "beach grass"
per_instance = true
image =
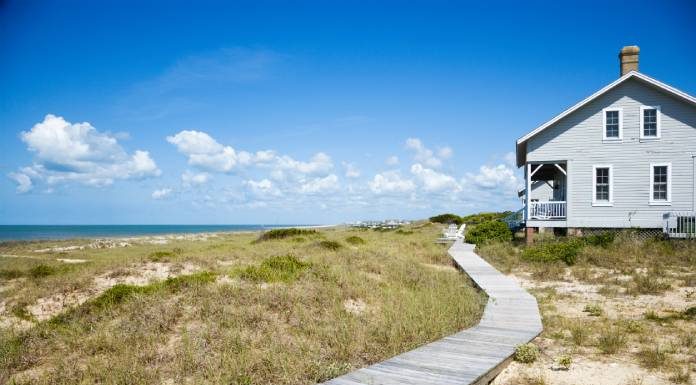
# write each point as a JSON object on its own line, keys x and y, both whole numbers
{"x": 231, "y": 309}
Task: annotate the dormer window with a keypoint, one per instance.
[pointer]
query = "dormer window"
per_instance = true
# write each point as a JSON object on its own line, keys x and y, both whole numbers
{"x": 613, "y": 124}
{"x": 649, "y": 122}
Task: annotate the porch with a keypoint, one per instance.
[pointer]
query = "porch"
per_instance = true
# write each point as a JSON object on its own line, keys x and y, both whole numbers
{"x": 545, "y": 194}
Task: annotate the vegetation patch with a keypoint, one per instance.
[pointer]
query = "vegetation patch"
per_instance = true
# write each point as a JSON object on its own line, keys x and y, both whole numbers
{"x": 286, "y": 233}
{"x": 330, "y": 245}
{"x": 475, "y": 219}
{"x": 526, "y": 353}
{"x": 553, "y": 251}
{"x": 611, "y": 340}
{"x": 164, "y": 255}
{"x": 41, "y": 271}
{"x": 494, "y": 231}
{"x": 447, "y": 219}
{"x": 285, "y": 268}
{"x": 11, "y": 273}
{"x": 355, "y": 240}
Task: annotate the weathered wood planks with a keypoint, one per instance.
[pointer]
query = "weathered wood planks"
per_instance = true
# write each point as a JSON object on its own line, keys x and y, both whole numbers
{"x": 474, "y": 355}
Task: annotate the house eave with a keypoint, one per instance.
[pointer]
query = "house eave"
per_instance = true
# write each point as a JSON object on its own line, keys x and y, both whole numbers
{"x": 521, "y": 147}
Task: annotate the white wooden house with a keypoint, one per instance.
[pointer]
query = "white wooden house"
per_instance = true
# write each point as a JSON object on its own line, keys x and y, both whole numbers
{"x": 623, "y": 157}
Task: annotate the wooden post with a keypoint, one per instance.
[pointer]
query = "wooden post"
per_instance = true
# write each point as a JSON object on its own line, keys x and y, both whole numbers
{"x": 529, "y": 235}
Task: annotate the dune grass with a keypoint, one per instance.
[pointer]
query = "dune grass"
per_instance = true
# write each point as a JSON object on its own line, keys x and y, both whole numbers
{"x": 270, "y": 312}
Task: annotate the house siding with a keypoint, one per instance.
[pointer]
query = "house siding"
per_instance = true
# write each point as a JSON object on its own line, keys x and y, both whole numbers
{"x": 577, "y": 138}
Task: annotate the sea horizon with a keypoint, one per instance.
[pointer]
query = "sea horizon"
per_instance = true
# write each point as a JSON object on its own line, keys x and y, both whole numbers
{"x": 64, "y": 232}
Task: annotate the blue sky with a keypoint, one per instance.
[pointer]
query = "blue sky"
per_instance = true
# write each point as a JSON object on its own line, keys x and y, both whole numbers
{"x": 297, "y": 112}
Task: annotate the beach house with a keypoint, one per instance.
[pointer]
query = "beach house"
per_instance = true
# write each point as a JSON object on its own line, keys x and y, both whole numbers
{"x": 624, "y": 157}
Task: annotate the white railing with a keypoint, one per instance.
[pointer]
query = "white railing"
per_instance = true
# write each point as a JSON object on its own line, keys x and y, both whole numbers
{"x": 547, "y": 210}
{"x": 680, "y": 224}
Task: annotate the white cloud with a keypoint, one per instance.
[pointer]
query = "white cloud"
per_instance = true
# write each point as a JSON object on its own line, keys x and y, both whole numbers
{"x": 161, "y": 193}
{"x": 500, "y": 176}
{"x": 422, "y": 153}
{"x": 67, "y": 152}
{"x": 263, "y": 187}
{"x": 203, "y": 151}
{"x": 511, "y": 159}
{"x": 434, "y": 181}
{"x": 352, "y": 172}
{"x": 445, "y": 152}
{"x": 320, "y": 185}
{"x": 390, "y": 182}
{"x": 23, "y": 181}
{"x": 392, "y": 160}
{"x": 319, "y": 164}
{"x": 189, "y": 178}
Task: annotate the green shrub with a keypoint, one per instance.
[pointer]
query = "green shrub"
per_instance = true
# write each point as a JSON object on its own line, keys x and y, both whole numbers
{"x": 20, "y": 311}
{"x": 526, "y": 353}
{"x": 475, "y": 219}
{"x": 565, "y": 361}
{"x": 189, "y": 280}
{"x": 553, "y": 251}
{"x": 653, "y": 358}
{"x": 690, "y": 313}
{"x": 285, "y": 233}
{"x": 404, "y": 232}
{"x": 160, "y": 255}
{"x": 488, "y": 232}
{"x": 593, "y": 309}
{"x": 330, "y": 245}
{"x": 646, "y": 284}
{"x": 611, "y": 340}
{"x": 10, "y": 273}
{"x": 286, "y": 268}
{"x": 447, "y": 219}
{"x": 602, "y": 240}
{"x": 355, "y": 240}
{"x": 41, "y": 271}
{"x": 120, "y": 293}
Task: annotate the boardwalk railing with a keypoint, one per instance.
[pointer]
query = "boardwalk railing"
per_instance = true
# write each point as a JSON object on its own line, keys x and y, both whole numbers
{"x": 680, "y": 225}
{"x": 474, "y": 355}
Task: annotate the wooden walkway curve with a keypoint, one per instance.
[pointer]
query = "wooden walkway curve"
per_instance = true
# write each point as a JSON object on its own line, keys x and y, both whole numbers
{"x": 474, "y": 355}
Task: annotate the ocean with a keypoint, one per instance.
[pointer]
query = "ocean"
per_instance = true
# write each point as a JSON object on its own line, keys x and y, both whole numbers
{"x": 37, "y": 232}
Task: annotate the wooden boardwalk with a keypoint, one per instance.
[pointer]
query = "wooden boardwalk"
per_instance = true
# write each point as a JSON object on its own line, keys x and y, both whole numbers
{"x": 474, "y": 355}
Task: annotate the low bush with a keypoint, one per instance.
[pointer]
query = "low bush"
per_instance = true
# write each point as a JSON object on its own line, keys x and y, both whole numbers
{"x": 601, "y": 240}
{"x": 611, "y": 340}
{"x": 553, "y": 251}
{"x": 160, "y": 255}
{"x": 355, "y": 240}
{"x": 118, "y": 294}
{"x": 486, "y": 232}
{"x": 653, "y": 358}
{"x": 404, "y": 232}
{"x": 526, "y": 353}
{"x": 330, "y": 245}
{"x": 595, "y": 310}
{"x": 565, "y": 361}
{"x": 189, "y": 280}
{"x": 41, "y": 271}
{"x": 10, "y": 273}
{"x": 285, "y": 268}
{"x": 475, "y": 219}
{"x": 646, "y": 284}
{"x": 447, "y": 219}
{"x": 286, "y": 233}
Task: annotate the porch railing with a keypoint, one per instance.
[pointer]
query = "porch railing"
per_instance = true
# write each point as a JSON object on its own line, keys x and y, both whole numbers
{"x": 680, "y": 224}
{"x": 547, "y": 210}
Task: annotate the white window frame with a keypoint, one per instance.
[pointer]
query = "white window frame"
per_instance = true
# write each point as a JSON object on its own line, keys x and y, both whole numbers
{"x": 658, "y": 116}
{"x": 595, "y": 202}
{"x": 604, "y": 124}
{"x": 654, "y": 202}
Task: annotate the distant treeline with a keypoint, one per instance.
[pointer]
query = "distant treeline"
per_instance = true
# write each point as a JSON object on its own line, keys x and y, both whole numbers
{"x": 473, "y": 219}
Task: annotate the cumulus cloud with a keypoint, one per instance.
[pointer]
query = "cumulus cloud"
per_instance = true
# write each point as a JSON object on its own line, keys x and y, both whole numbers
{"x": 78, "y": 152}
{"x": 493, "y": 177}
{"x": 423, "y": 154}
{"x": 161, "y": 193}
{"x": 189, "y": 178}
{"x": 445, "y": 152}
{"x": 352, "y": 171}
{"x": 434, "y": 181}
{"x": 390, "y": 182}
{"x": 392, "y": 160}
{"x": 320, "y": 185}
{"x": 263, "y": 187}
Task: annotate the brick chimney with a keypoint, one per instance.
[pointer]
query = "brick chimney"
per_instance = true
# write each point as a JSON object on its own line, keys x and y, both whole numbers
{"x": 629, "y": 59}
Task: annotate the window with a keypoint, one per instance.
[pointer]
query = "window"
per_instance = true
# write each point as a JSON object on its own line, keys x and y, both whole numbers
{"x": 602, "y": 186}
{"x": 660, "y": 183}
{"x": 649, "y": 122}
{"x": 613, "y": 124}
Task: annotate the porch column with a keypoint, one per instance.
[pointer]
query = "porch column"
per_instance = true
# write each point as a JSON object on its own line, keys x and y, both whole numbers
{"x": 527, "y": 191}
